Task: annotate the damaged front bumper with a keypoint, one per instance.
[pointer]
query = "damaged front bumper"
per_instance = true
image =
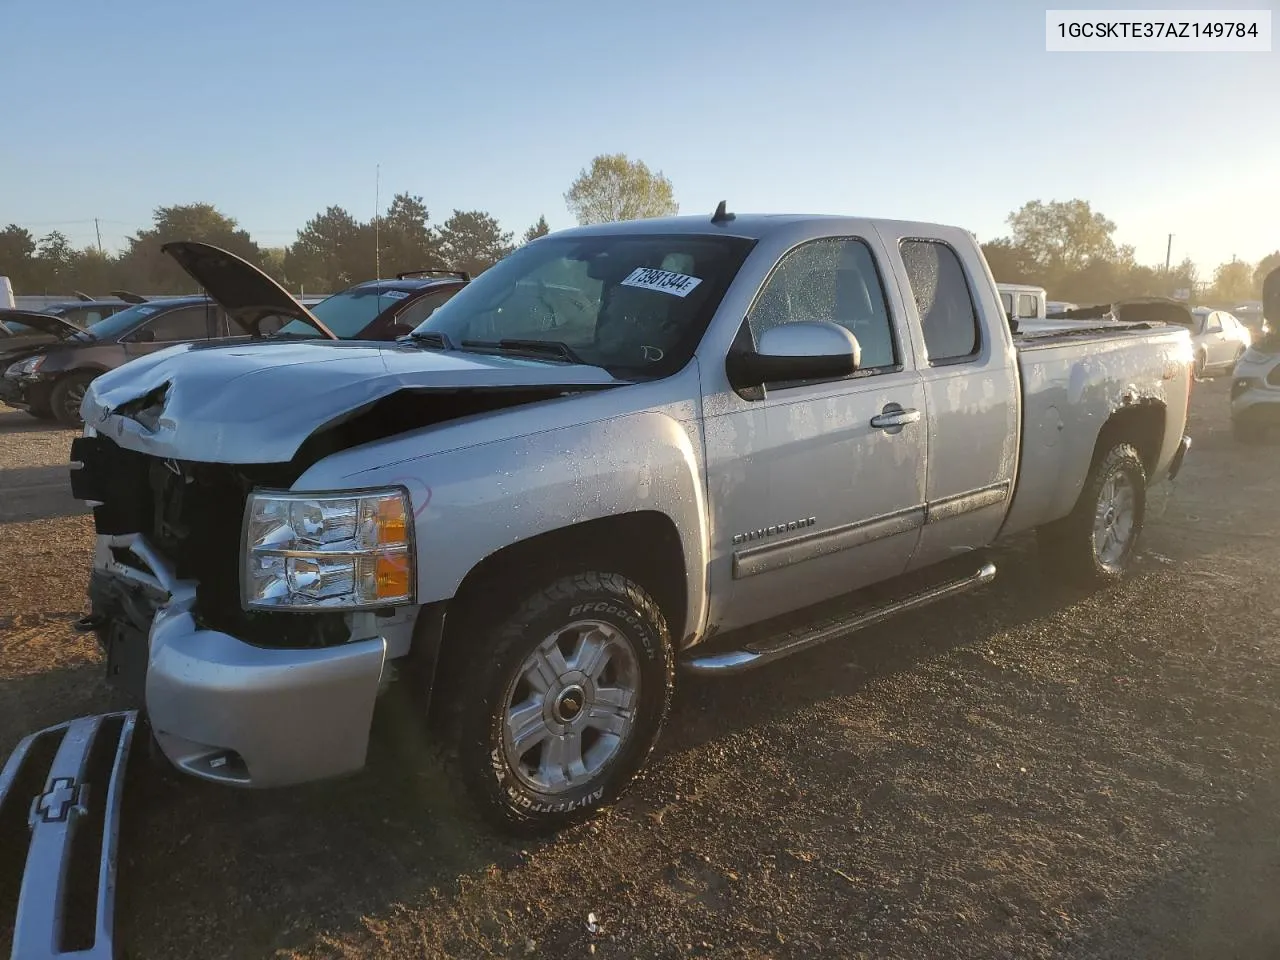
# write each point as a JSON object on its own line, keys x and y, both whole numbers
{"x": 225, "y": 710}
{"x": 65, "y": 785}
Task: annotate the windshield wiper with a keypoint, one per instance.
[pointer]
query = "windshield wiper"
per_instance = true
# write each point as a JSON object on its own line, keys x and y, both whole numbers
{"x": 557, "y": 349}
{"x": 433, "y": 338}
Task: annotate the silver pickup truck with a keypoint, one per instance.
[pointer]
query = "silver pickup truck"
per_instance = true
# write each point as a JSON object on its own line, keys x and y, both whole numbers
{"x": 692, "y": 443}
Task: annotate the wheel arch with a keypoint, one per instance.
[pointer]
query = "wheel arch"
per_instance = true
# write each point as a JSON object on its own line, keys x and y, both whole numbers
{"x": 644, "y": 546}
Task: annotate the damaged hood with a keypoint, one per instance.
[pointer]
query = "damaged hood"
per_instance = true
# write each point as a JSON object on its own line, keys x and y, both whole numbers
{"x": 46, "y": 323}
{"x": 258, "y": 402}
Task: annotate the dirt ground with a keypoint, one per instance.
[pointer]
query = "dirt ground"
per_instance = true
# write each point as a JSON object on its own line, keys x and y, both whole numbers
{"x": 1024, "y": 772}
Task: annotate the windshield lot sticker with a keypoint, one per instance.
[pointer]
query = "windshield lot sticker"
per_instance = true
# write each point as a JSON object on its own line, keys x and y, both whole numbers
{"x": 650, "y": 278}
{"x": 394, "y": 294}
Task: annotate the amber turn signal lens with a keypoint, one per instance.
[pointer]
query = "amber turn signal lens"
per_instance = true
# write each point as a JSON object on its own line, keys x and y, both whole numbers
{"x": 393, "y": 525}
{"x": 392, "y": 576}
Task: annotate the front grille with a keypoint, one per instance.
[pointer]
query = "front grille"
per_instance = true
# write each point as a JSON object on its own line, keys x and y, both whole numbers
{"x": 192, "y": 512}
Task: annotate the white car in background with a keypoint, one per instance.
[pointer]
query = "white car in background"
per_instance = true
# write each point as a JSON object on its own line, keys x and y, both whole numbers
{"x": 1219, "y": 339}
{"x": 1255, "y": 383}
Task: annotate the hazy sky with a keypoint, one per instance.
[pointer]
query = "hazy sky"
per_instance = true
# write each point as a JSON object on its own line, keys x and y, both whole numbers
{"x": 938, "y": 111}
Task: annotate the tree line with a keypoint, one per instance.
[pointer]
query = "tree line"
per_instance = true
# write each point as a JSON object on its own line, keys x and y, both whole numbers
{"x": 333, "y": 249}
{"x": 1064, "y": 246}
{"x": 1069, "y": 249}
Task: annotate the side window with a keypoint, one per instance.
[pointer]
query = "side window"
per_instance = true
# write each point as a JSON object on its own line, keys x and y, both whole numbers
{"x": 830, "y": 280}
{"x": 423, "y": 307}
{"x": 90, "y": 317}
{"x": 1212, "y": 323}
{"x": 943, "y": 302}
{"x": 1026, "y": 306}
{"x": 1007, "y": 300}
{"x": 185, "y": 323}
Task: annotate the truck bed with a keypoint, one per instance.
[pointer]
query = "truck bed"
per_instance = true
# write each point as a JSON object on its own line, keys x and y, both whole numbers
{"x": 1074, "y": 379}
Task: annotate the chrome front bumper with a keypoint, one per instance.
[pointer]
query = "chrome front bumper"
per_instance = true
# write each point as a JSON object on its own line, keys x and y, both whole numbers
{"x": 71, "y": 805}
{"x": 224, "y": 710}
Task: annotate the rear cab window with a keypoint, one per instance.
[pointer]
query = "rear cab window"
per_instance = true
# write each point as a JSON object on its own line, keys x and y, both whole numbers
{"x": 944, "y": 303}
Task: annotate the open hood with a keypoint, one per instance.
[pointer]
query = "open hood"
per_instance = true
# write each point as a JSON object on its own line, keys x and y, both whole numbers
{"x": 44, "y": 322}
{"x": 258, "y": 402}
{"x": 247, "y": 294}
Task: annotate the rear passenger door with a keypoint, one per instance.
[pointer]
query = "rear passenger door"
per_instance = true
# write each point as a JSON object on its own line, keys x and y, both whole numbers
{"x": 969, "y": 372}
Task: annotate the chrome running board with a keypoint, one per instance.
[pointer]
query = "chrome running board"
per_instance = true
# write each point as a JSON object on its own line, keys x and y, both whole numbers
{"x": 760, "y": 652}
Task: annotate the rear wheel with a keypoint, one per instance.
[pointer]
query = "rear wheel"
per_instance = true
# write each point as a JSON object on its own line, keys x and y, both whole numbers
{"x": 1097, "y": 542}
{"x": 561, "y": 704}
{"x": 66, "y": 398}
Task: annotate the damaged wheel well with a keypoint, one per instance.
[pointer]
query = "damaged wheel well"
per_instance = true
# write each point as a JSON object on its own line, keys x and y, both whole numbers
{"x": 643, "y": 546}
{"x": 1140, "y": 424}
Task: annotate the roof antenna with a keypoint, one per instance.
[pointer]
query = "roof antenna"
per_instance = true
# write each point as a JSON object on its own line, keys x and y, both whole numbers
{"x": 721, "y": 216}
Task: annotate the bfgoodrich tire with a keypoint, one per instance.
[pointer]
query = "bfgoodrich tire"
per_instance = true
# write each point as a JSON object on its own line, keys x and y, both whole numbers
{"x": 1097, "y": 542}
{"x": 561, "y": 704}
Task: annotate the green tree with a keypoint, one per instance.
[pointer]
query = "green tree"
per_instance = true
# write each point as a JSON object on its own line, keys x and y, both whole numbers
{"x": 1233, "y": 282}
{"x": 273, "y": 259}
{"x": 405, "y": 236}
{"x": 1062, "y": 235}
{"x": 1268, "y": 263}
{"x": 539, "y": 229}
{"x": 1009, "y": 263}
{"x": 147, "y": 270}
{"x": 55, "y": 263}
{"x": 18, "y": 257}
{"x": 471, "y": 240}
{"x": 615, "y": 188}
{"x": 332, "y": 252}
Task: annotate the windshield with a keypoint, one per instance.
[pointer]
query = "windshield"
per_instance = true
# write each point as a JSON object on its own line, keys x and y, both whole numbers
{"x": 113, "y": 326}
{"x": 347, "y": 313}
{"x": 626, "y": 303}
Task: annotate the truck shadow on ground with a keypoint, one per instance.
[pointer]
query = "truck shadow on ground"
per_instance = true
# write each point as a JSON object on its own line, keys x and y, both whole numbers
{"x": 288, "y": 864}
{"x": 1219, "y": 902}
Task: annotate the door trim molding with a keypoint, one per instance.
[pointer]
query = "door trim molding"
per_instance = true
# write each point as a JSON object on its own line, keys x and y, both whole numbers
{"x": 773, "y": 556}
{"x": 961, "y": 503}
{"x": 768, "y": 557}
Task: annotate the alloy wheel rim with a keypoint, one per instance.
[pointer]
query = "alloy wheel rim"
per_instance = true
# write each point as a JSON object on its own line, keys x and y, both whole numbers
{"x": 571, "y": 707}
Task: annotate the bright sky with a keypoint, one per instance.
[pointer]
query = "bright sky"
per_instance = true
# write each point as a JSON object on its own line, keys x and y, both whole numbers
{"x": 937, "y": 111}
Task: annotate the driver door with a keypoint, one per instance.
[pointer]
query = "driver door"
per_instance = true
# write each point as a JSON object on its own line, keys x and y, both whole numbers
{"x": 813, "y": 494}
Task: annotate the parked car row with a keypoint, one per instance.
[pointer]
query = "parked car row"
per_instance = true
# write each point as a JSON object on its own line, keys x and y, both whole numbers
{"x": 1255, "y": 381}
{"x": 48, "y": 358}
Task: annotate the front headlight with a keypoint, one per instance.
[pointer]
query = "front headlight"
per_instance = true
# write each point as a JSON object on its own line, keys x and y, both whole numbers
{"x": 25, "y": 368}
{"x": 346, "y": 551}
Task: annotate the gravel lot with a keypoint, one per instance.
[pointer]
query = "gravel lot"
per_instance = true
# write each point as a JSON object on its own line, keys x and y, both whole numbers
{"x": 1024, "y": 772}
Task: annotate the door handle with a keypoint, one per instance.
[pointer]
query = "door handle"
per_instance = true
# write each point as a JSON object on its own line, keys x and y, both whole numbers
{"x": 894, "y": 418}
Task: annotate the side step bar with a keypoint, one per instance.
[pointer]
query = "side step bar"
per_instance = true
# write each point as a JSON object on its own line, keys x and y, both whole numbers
{"x": 759, "y": 653}
{"x": 64, "y": 786}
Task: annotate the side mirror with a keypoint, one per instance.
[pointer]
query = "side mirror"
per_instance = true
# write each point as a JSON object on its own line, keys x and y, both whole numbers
{"x": 1271, "y": 298}
{"x": 795, "y": 351}
{"x": 144, "y": 335}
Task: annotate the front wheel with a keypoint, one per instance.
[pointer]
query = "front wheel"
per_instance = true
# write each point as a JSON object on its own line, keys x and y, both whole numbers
{"x": 562, "y": 703}
{"x": 1096, "y": 543}
{"x": 66, "y": 397}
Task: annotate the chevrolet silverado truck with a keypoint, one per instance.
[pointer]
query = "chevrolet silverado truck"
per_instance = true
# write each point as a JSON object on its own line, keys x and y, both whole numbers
{"x": 697, "y": 443}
